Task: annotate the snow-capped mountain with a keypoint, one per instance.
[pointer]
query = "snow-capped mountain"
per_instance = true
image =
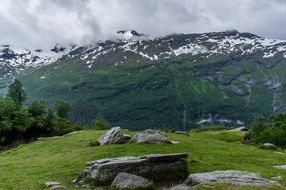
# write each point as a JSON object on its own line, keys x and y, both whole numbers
{"x": 192, "y": 79}
{"x": 129, "y": 42}
{"x": 221, "y": 43}
{"x": 13, "y": 60}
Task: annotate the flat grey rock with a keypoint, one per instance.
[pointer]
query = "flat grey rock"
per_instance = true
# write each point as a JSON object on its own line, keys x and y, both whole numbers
{"x": 127, "y": 181}
{"x": 105, "y": 170}
{"x": 229, "y": 176}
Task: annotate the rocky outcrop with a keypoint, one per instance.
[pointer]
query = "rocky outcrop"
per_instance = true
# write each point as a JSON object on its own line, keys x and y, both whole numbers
{"x": 153, "y": 167}
{"x": 181, "y": 187}
{"x": 126, "y": 181}
{"x": 113, "y": 136}
{"x": 228, "y": 176}
{"x": 151, "y": 137}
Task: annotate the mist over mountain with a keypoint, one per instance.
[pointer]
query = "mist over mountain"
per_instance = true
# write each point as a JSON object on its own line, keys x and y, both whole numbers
{"x": 38, "y": 24}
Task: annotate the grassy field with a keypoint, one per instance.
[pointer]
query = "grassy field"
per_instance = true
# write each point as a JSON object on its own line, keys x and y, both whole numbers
{"x": 28, "y": 166}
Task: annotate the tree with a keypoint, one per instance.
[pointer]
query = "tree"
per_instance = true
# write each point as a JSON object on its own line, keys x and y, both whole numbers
{"x": 16, "y": 93}
{"x": 50, "y": 115}
{"x": 257, "y": 129}
{"x": 63, "y": 109}
{"x": 100, "y": 123}
{"x": 37, "y": 108}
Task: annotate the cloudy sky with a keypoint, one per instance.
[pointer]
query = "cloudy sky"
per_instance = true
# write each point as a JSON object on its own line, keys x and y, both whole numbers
{"x": 43, "y": 23}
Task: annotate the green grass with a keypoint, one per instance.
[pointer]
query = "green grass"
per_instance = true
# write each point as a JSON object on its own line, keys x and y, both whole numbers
{"x": 29, "y": 166}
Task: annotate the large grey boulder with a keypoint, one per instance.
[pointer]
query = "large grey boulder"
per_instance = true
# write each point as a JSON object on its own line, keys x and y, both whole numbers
{"x": 181, "y": 187}
{"x": 153, "y": 167}
{"x": 113, "y": 136}
{"x": 151, "y": 136}
{"x": 125, "y": 181}
{"x": 229, "y": 176}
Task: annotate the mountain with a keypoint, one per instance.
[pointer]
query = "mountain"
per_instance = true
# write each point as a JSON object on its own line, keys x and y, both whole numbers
{"x": 177, "y": 81}
{"x": 14, "y": 61}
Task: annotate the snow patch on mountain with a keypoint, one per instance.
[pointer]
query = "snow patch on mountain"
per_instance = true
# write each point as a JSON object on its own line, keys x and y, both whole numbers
{"x": 16, "y": 57}
{"x": 193, "y": 49}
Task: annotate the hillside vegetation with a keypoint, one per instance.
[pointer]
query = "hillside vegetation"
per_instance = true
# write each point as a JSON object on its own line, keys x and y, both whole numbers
{"x": 170, "y": 82}
{"x": 29, "y": 166}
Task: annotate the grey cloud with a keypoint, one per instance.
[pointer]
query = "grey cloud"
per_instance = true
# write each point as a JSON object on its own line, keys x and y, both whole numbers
{"x": 43, "y": 23}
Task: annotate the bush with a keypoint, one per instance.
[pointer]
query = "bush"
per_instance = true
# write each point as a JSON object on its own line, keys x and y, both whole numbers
{"x": 99, "y": 123}
{"x": 63, "y": 126}
{"x": 37, "y": 108}
{"x": 273, "y": 132}
{"x": 93, "y": 143}
{"x": 257, "y": 129}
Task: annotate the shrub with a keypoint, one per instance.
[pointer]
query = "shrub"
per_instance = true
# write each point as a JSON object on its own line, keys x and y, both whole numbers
{"x": 63, "y": 126}
{"x": 37, "y": 108}
{"x": 257, "y": 129}
{"x": 63, "y": 109}
{"x": 93, "y": 143}
{"x": 99, "y": 123}
{"x": 273, "y": 132}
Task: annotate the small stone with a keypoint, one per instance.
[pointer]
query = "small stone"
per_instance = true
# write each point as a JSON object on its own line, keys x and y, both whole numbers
{"x": 175, "y": 142}
{"x": 52, "y": 183}
{"x": 269, "y": 146}
{"x": 181, "y": 187}
{"x": 73, "y": 133}
{"x": 282, "y": 167}
{"x": 277, "y": 178}
{"x": 129, "y": 181}
{"x": 58, "y": 187}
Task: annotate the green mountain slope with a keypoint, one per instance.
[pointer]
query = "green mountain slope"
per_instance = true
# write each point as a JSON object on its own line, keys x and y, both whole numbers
{"x": 178, "y": 82}
{"x": 29, "y": 166}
